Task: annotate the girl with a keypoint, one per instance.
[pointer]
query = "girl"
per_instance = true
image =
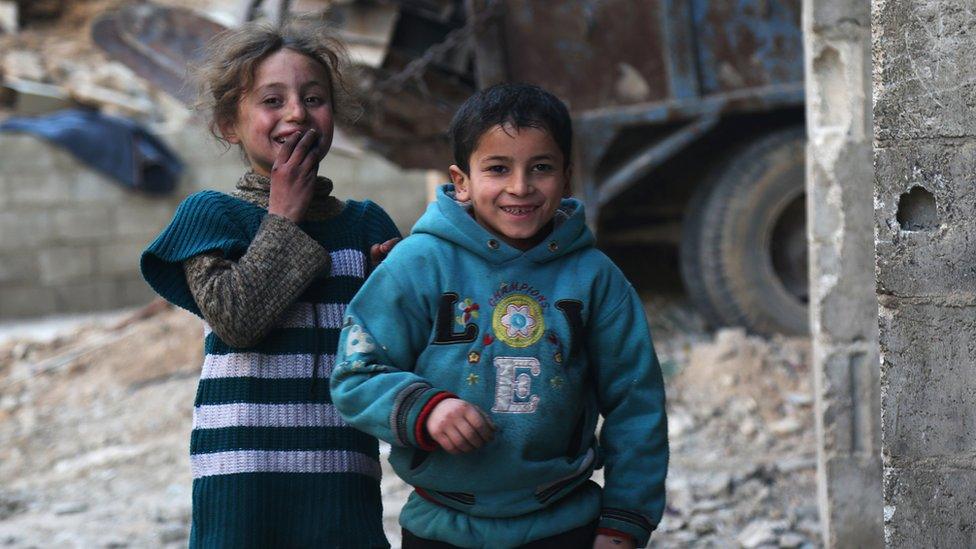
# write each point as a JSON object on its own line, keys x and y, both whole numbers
{"x": 270, "y": 269}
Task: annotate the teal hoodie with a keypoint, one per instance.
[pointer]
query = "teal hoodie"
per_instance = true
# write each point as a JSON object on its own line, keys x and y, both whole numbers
{"x": 543, "y": 341}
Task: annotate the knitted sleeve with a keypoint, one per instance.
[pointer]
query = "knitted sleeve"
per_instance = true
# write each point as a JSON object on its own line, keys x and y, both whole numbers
{"x": 202, "y": 223}
{"x": 242, "y": 300}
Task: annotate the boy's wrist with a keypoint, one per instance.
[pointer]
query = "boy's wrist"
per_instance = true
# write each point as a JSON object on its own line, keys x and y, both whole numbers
{"x": 421, "y": 433}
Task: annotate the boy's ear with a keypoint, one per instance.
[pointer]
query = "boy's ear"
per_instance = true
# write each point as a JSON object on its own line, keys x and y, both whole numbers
{"x": 462, "y": 188}
{"x": 568, "y": 188}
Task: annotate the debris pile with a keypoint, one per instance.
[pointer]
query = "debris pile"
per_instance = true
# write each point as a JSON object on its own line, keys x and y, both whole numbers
{"x": 94, "y": 434}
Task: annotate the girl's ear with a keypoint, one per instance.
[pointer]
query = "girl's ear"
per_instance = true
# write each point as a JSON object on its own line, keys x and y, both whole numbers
{"x": 229, "y": 132}
{"x": 462, "y": 186}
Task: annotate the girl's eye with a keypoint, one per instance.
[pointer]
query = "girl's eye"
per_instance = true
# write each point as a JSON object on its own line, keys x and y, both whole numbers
{"x": 272, "y": 101}
{"x": 315, "y": 101}
{"x": 542, "y": 168}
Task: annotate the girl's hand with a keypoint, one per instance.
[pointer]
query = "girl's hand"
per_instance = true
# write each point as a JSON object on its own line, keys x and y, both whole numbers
{"x": 293, "y": 175}
{"x": 459, "y": 426}
{"x": 378, "y": 252}
{"x": 604, "y": 541}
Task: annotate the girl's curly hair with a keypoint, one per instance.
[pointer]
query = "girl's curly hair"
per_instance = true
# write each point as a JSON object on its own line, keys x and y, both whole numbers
{"x": 232, "y": 57}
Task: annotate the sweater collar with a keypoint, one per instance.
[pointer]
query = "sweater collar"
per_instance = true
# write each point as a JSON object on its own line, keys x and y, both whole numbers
{"x": 256, "y": 189}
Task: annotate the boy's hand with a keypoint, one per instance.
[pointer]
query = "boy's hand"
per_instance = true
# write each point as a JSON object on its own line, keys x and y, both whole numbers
{"x": 378, "y": 252}
{"x": 293, "y": 175}
{"x": 604, "y": 541}
{"x": 459, "y": 426}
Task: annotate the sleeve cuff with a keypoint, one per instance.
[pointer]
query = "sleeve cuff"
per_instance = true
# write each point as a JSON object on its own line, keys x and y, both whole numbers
{"x": 621, "y": 521}
{"x": 420, "y": 428}
{"x": 410, "y": 411}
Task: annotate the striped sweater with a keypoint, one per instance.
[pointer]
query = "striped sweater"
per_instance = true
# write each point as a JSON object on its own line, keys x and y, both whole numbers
{"x": 273, "y": 463}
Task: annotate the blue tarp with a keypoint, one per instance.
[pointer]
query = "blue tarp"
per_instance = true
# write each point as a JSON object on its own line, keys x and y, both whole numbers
{"x": 117, "y": 147}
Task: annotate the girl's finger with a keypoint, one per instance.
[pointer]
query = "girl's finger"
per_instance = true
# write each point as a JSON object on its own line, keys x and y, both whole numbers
{"x": 458, "y": 440}
{"x": 284, "y": 153}
{"x": 305, "y": 144}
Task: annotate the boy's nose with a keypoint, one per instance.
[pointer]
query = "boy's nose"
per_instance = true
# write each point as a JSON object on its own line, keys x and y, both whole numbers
{"x": 519, "y": 185}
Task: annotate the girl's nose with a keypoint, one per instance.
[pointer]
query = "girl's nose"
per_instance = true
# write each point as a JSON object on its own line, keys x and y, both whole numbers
{"x": 295, "y": 111}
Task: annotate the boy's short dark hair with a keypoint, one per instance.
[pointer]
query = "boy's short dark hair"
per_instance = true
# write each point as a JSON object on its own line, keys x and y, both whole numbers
{"x": 518, "y": 105}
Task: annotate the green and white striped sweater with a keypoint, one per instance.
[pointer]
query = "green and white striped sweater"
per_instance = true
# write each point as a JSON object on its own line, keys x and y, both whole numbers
{"x": 273, "y": 463}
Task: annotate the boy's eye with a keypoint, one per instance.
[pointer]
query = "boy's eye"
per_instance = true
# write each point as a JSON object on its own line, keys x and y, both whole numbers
{"x": 542, "y": 167}
{"x": 497, "y": 169}
{"x": 314, "y": 100}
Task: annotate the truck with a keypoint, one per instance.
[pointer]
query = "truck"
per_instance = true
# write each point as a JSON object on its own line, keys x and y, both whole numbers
{"x": 688, "y": 116}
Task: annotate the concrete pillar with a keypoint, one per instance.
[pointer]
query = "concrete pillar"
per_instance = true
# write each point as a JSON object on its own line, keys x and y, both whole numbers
{"x": 843, "y": 308}
{"x": 925, "y": 206}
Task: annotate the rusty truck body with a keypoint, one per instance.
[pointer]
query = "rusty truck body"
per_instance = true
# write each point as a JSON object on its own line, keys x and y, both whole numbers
{"x": 688, "y": 119}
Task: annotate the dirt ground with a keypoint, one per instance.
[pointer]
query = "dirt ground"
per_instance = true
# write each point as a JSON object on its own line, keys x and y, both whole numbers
{"x": 94, "y": 431}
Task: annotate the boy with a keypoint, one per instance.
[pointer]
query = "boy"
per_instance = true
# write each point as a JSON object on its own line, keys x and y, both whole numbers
{"x": 486, "y": 345}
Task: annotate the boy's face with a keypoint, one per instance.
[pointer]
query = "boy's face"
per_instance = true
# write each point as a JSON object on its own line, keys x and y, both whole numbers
{"x": 517, "y": 178}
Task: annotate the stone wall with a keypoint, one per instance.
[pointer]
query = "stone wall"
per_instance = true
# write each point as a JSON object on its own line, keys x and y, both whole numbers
{"x": 70, "y": 238}
{"x": 925, "y": 206}
{"x": 843, "y": 307}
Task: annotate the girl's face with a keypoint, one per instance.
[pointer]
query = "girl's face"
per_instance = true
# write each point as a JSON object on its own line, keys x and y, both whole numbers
{"x": 291, "y": 93}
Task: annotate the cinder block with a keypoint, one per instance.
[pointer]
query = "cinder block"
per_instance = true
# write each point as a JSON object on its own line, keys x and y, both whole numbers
{"x": 24, "y": 153}
{"x": 89, "y": 186}
{"x": 41, "y": 189}
{"x": 924, "y": 79}
{"x": 87, "y": 295}
{"x": 849, "y": 391}
{"x": 18, "y": 301}
{"x": 937, "y": 261}
{"x": 65, "y": 263}
{"x": 851, "y": 497}
{"x": 19, "y": 266}
{"x": 134, "y": 291}
{"x": 927, "y": 380}
{"x": 119, "y": 257}
{"x": 84, "y": 222}
{"x": 931, "y": 505}
{"x": 143, "y": 218}
{"x": 25, "y": 228}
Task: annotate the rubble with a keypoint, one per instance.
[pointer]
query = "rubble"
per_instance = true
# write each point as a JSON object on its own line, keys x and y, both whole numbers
{"x": 95, "y": 423}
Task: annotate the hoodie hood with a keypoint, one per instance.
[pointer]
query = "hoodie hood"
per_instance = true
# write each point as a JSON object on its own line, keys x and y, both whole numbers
{"x": 450, "y": 220}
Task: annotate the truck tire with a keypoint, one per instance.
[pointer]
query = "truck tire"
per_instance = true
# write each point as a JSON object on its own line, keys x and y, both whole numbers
{"x": 744, "y": 244}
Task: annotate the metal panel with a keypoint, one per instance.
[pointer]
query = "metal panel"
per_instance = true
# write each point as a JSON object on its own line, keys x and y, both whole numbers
{"x": 748, "y": 43}
{"x": 591, "y": 53}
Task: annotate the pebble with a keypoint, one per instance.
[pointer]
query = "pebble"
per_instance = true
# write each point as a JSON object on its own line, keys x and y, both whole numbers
{"x": 757, "y": 533}
{"x": 785, "y": 426}
{"x": 172, "y": 533}
{"x": 69, "y": 507}
{"x": 701, "y": 524}
{"x": 791, "y": 540}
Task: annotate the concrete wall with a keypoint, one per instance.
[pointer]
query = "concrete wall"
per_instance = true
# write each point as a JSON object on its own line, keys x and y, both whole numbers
{"x": 843, "y": 308}
{"x": 925, "y": 207}
{"x": 70, "y": 238}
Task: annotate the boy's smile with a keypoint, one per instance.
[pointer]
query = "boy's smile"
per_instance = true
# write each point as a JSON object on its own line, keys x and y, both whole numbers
{"x": 291, "y": 93}
{"x": 517, "y": 179}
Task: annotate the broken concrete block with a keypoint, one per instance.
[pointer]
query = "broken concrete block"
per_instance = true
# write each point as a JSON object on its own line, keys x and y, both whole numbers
{"x": 29, "y": 98}
{"x": 8, "y": 17}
